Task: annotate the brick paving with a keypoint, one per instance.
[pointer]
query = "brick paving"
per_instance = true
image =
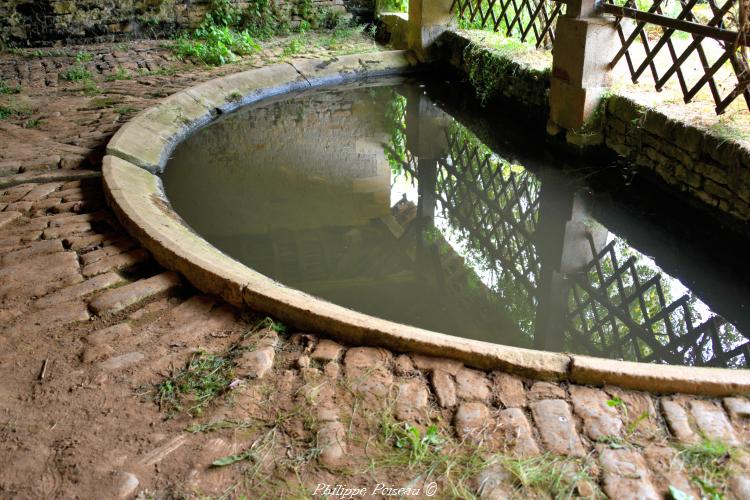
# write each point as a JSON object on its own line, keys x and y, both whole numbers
{"x": 70, "y": 275}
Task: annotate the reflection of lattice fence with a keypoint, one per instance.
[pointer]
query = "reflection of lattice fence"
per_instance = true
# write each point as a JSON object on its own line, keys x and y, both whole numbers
{"x": 497, "y": 207}
{"x": 532, "y": 20}
{"x": 718, "y": 38}
{"x": 616, "y": 310}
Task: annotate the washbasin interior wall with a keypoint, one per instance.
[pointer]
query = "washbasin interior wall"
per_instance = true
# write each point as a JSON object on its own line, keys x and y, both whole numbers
{"x": 397, "y": 199}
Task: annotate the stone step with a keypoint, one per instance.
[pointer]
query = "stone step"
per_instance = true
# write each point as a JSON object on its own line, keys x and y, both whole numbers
{"x": 120, "y": 261}
{"x": 117, "y": 299}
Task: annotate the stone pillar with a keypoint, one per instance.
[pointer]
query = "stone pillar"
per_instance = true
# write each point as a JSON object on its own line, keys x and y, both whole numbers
{"x": 428, "y": 19}
{"x": 584, "y": 47}
{"x": 563, "y": 248}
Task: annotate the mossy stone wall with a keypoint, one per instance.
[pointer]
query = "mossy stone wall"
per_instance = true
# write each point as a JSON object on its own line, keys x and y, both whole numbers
{"x": 46, "y": 22}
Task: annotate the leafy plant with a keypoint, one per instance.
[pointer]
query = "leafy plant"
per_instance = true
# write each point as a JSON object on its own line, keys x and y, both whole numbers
{"x": 75, "y": 73}
{"x": 82, "y": 57}
{"x": 418, "y": 444}
{"x": 215, "y": 45}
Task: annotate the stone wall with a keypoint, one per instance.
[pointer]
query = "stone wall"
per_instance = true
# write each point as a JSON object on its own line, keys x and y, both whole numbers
{"x": 45, "y": 22}
{"x": 499, "y": 73}
{"x": 711, "y": 169}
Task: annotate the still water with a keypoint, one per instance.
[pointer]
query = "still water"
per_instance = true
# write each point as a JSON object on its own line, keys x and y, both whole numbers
{"x": 374, "y": 197}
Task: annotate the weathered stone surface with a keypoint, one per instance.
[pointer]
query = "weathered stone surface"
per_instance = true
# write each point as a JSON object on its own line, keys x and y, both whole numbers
{"x": 96, "y": 352}
{"x": 368, "y": 372}
{"x": 120, "y": 261}
{"x": 53, "y": 233}
{"x": 738, "y": 409}
{"x": 445, "y": 388}
{"x": 41, "y": 191}
{"x": 507, "y": 390}
{"x": 493, "y": 483}
{"x": 122, "y": 361}
{"x": 429, "y": 363}
{"x": 118, "y": 299}
{"x": 545, "y": 390}
{"x": 515, "y": 434}
{"x": 403, "y": 366}
{"x": 53, "y": 316}
{"x": 34, "y": 249}
{"x": 471, "y": 419}
{"x": 713, "y": 422}
{"x": 327, "y": 350}
{"x": 91, "y": 285}
{"x": 740, "y": 484}
{"x": 556, "y": 427}
{"x": 109, "y": 334}
{"x": 472, "y": 385}
{"x": 128, "y": 483}
{"x": 8, "y": 217}
{"x": 626, "y": 475}
{"x": 332, "y": 441}
{"x": 39, "y": 276}
{"x": 256, "y": 364}
{"x": 677, "y": 420}
{"x": 641, "y": 414}
{"x": 667, "y": 470}
{"x": 412, "y": 400}
{"x": 599, "y": 419}
{"x": 117, "y": 247}
{"x": 331, "y": 370}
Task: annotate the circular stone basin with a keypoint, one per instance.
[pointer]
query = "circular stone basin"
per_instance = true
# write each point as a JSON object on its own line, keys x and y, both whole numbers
{"x": 374, "y": 199}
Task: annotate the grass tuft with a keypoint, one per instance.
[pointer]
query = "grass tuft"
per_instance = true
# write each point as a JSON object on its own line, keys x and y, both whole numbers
{"x": 193, "y": 388}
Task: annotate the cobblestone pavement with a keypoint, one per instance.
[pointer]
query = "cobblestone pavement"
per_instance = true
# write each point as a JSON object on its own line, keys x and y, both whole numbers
{"x": 89, "y": 324}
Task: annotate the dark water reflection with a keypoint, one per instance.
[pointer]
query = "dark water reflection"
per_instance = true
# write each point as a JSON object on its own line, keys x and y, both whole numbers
{"x": 375, "y": 198}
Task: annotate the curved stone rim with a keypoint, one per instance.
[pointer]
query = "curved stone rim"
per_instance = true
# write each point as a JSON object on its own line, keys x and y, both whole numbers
{"x": 141, "y": 147}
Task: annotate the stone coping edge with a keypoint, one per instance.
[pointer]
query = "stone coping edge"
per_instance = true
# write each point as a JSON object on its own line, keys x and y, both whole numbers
{"x": 135, "y": 194}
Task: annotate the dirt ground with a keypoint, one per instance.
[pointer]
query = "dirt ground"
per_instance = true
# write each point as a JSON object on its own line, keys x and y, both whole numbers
{"x": 118, "y": 380}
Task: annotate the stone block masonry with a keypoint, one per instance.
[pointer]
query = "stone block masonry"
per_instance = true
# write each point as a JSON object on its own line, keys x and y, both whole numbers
{"x": 46, "y": 22}
{"x": 712, "y": 169}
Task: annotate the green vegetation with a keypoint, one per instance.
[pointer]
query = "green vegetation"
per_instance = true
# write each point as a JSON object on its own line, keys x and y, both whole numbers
{"x": 83, "y": 57}
{"x": 32, "y": 123}
{"x": 727, "y": 132}
{"x": 125, "y": 110}
{"x": 708, "y": 464}
{"x": 489, "y": 67}
{"x": 104, "y": 102}
{"x": 433, "y": 455}
{"x": 551, "y": 475}
{"x": 191, "y": 389}
{"x": 393, "y": 5}
{"x": 214, "y": 45}
{"x": 76, "y": 73}
{"x": 6, "y": 89}
{"x": 119, "y": 74}
{"x": 206, "y": 376}
{"x": 14, "y": 109}
{"x": 228, "y": 32}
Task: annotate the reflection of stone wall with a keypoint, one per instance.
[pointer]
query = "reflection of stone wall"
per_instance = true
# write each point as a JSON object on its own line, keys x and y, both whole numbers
{"x": 38, "y": 22}
{"x": 707, "y": 167}
{"x": 293, "y": 157}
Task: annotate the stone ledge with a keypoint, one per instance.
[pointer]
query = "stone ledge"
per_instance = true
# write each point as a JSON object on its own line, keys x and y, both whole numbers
{"x": 136, "y": 196}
